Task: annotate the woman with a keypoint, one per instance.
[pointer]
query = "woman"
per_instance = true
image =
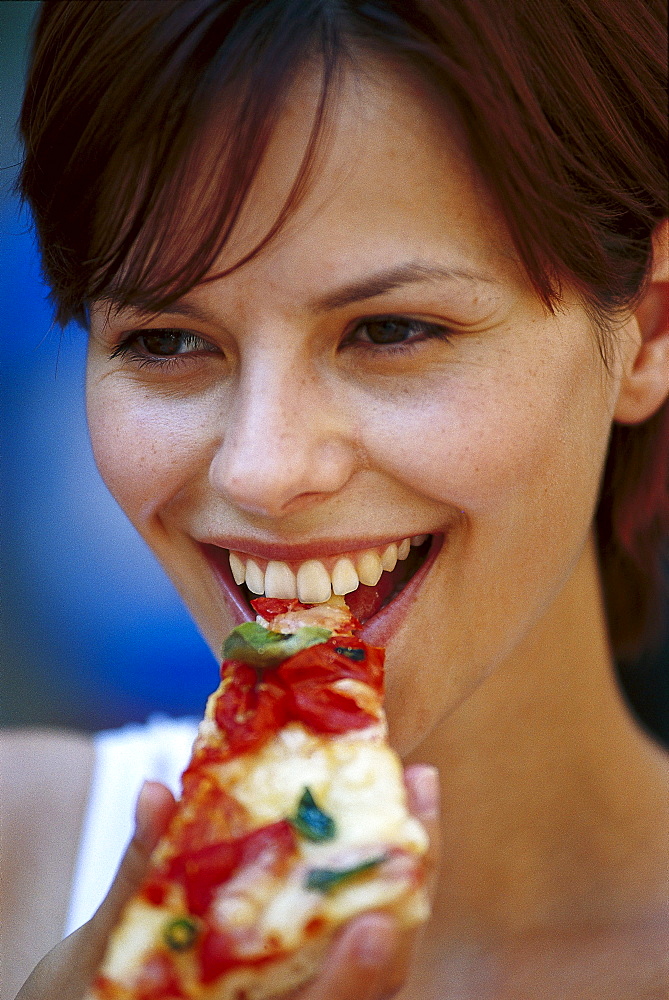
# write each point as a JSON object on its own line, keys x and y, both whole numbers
{"x": 361, "y": 273}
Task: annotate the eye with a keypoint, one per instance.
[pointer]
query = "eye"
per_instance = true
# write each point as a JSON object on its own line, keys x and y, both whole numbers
{"x": 165, "y": 343}
{"x": 160, "y": 346}
{"x": 396, "y": 331}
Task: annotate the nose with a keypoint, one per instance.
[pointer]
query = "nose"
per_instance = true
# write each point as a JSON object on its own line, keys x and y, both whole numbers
{"x": 285, "y": 446}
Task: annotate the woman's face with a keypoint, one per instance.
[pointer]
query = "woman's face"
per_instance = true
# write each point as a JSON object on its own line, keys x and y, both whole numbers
{"x": 381, "y": 370}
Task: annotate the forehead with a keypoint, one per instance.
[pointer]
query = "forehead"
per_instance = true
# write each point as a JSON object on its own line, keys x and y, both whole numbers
{"x": 392, "y": 186}
{"x": 391, "y": 181}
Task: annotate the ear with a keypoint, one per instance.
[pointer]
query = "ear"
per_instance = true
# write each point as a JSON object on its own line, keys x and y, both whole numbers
{"x": 645, "y": 382}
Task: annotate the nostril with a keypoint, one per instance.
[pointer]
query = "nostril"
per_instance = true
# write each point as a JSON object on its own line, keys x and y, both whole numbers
{"x": 277, "y": 471}
{"x": 272, "y": 492}
{"x": 255, "y": 487}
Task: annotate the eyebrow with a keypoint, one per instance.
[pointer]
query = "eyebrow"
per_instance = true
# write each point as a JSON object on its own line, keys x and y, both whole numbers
{"x": 389, "y": 279}
{"x": 412, "y": 272}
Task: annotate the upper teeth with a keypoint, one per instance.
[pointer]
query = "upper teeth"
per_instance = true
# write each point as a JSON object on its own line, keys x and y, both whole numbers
{"x": 311, "y": 582}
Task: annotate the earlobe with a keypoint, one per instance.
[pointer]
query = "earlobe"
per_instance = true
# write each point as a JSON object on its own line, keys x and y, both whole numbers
{"x": 645, "y": 382}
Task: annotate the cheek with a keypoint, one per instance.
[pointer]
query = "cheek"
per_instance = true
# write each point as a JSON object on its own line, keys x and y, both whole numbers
{"x": 477, "y": 444}
{"x": 146, "y": 449}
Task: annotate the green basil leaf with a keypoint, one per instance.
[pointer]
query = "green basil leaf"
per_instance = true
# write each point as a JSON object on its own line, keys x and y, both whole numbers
{"x": 326, "y": 879}
{"x": 351, "y": 652}
{"x": 253, "y": 643}
{"x": 312, "y": 822}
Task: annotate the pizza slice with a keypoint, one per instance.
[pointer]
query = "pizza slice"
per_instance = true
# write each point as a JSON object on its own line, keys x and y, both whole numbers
{"x": 293, "y": 820}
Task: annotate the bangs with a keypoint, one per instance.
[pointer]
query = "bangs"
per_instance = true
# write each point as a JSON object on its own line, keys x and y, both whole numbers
{"x": 178, "y": 169}
{"x": 184, "y": 189}
{"x": 146, "y": 121}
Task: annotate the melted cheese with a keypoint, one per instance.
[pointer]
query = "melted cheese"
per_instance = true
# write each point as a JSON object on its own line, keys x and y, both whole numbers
{"x": 356, "y": 780}
{"x": 141, "y": 927}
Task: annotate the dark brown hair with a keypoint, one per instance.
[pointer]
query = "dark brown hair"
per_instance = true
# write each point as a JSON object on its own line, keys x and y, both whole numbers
{"x": 562, "y": 102}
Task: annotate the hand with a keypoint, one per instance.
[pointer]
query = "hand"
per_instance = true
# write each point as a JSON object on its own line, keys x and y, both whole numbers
{"x": 370, "y": 958}
{"x": 368, "y": 961}
{"x": 67, "y": 971}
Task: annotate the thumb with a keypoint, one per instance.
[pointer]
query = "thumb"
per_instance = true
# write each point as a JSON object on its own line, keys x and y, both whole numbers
{"x": 153, "y": 812}
{"x": 68, "y": 969}
{"x": 423, "y": 788}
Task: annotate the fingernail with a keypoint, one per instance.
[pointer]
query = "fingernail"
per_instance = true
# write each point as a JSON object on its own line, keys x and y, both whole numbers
{"x": 373, "y": 946}
{"x": 426, "y": 790}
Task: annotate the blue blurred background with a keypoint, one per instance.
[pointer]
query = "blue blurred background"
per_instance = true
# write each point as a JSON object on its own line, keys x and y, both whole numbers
{"x": 93, "y": 633}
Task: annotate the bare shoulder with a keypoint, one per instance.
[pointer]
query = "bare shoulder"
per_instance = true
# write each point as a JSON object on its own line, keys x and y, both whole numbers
{"x": 44, "y": 777}
{"x": 28, "y": 751}
{"x": 44, "y": 782}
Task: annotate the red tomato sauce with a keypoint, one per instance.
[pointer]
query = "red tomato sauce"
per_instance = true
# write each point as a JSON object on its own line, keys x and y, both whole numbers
{"x": 201, "y": 871}
{"x": 209, "y": 845}
{"x": 217, "y": 956}
{"x": 254, "y": 704}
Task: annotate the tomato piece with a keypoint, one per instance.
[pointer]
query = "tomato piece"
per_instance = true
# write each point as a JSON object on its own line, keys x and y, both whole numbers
{"x": 218, "y": 954}
{"x": 339, "y": 620}
{"x": 328, "y": 711}
{"x": 270, "y": 607}
{"x": 202, "y": 871}
{"x": 269, "y": 845}
{"x": 310, "y": 674}
{"x": 158, "y": 979}
{"x": 154, "y": 891}
{"x": 250, "y": 708}
{"x": 203, "y": 757}
{"x": 208, "y": 815}
{"x": 104, "y": 988}
{"x": 314, "y": 926}
{"x": 338, "y": 657}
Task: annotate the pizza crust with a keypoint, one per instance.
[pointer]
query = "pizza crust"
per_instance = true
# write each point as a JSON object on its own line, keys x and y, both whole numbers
{"x": 252, "y": 984}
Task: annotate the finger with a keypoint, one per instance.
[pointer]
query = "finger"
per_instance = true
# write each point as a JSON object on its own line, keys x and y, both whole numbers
{"x": 370, "y": 958}
{"x": 361, "y": 965}
{"x": 423, "y": 791}
{"x": 155, "y": 808}
{"x": 67, "y": 970}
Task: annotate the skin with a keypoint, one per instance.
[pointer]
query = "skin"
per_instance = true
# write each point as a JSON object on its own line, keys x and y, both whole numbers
{"x": 513, "y": 415}
{"x": 555, "y": 845}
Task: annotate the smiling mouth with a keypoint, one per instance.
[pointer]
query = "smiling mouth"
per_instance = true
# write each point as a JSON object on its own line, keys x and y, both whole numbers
{"x": 369, "y": 579}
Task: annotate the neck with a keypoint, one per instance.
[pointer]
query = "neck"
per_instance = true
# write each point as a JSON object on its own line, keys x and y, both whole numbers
{"x": 555, "y": 801}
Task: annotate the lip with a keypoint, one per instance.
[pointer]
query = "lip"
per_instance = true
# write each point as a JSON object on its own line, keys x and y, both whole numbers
{"x": 378, "y": 630}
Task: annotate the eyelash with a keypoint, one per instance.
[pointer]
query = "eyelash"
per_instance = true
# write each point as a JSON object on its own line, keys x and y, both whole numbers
{"x": 429, "y": 331}
{"x": 127, "y": 349}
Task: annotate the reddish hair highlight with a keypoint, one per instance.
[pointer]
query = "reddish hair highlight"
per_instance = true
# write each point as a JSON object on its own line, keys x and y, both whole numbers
{"x": 563, "y": 105}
